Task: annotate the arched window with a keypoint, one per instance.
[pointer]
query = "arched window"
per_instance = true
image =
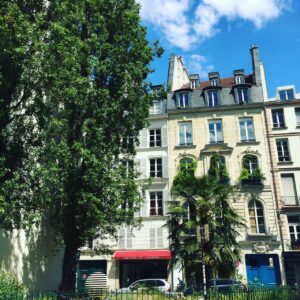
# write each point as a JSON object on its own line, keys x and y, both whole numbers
{"x": 256, "y": 217}
{"x": 187, "y": 166}
{"x": 250, "y": 163}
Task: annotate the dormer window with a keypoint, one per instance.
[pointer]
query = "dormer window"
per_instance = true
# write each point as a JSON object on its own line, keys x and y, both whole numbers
{"x": 195, "y": 80}
{"x": 241, "y": 95}
{"x": 287, "y": 94}
{"x": 239, "y": 79}
{"x": 239, "y": 76}
{"x": 214, "y": 78}
{"x": 183, "y": 100}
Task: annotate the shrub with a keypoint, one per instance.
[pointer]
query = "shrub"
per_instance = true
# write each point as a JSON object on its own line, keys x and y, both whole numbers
{"x": 9, "y": 286}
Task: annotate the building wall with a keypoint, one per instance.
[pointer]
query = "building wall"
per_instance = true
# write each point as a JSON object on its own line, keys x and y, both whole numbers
{"x": 33, "y": 258}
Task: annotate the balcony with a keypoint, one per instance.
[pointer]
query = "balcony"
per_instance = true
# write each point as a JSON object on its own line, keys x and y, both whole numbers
{"x": 290, "y": 201}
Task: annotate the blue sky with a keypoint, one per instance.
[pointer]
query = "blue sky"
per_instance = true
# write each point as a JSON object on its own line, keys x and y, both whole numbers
{"x": 216, "y": 35}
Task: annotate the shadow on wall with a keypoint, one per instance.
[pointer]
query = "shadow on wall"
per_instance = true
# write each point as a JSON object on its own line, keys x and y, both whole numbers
{"x": 33, "y": 257}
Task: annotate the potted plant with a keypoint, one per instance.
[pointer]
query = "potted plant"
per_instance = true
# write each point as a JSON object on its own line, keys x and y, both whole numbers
{"x": 295, "y": 245}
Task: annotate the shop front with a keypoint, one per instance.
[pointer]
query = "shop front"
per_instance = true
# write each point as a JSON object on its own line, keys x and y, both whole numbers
{"x": 142, "y": 264}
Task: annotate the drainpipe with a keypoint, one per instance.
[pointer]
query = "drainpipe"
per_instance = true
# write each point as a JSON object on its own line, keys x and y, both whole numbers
{"x": 274, "y": 183}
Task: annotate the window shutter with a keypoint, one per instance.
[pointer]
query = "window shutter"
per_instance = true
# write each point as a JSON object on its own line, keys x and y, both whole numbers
{"x": 151, "y": 109}
{"x": 164, "y": 134}
{"x": 122, "y": 238}
{"x": 144, "y": 209}
{"x": 165, "y": 167}
{"x": 129, "y": 239}
{"x": 143, "y": 168}
{"x": 160, "y": 241}
{"x": 152, "y": 237}
{"x": 166, "y": 201}
{"x": 144, "y": 138}
{"x": 288, "y": 189}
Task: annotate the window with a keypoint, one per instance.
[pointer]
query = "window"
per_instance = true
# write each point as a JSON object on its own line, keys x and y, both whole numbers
{"x": 156, "y": 238}
{"x": 250, "y": 163}
{"x": 256, "y": 217}
{"x": 294, "y": 228}
{"x": 215, "y": 132}
{"x": 214, "y": 81}
{"x": 183, "y": 100}
{"x": 185, "y": 133}
{"x": 187, "y": 166}
{"x": 241, "y": 95}
{"x": 286, "y": 94}
{"x": 278, "y": 118}
{"x": 247, "y": 130}
{"x": 239, "y": 79}
{"x": 193, "y": 83}
{"x": 212, "y": 98}
{"x": 128, "y": 167}
{"x": 289, "y": 193}
{"x": 155, "y": 167}
{"x": 156, "y": 204}
{"x": 125, "y": 238}
{"x": 283, "y": 150}
{"x": 297, "y": 112}
{"x": 156, "y": 107}
{"x": 155, "y": 138}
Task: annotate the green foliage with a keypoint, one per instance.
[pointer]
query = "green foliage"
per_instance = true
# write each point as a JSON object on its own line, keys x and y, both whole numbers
{"x": 9, "y": 286}
{"x": 204, "y": 201}
{"x": 79, "y": 70}
{"x": 218, "y": 168}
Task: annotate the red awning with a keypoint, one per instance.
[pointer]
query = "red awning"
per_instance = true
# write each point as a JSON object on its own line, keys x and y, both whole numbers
{"x": 142, "y": 254}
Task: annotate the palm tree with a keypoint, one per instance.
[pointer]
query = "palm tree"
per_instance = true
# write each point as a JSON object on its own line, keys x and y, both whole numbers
{"x": 200, "y": 201}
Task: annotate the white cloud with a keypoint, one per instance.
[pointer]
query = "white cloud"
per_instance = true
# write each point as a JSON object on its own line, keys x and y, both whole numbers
{"x": 182, "y": 25}
{"x": 197, "y": 64}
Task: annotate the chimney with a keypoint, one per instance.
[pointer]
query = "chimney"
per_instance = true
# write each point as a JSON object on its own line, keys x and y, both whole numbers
{"x": 255, "y": 65}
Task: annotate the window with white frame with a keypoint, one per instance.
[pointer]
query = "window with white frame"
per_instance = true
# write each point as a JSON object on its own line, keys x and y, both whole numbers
{"x": 212, "y": 97}
{"x": 214, "y": 81}
{"x": 256, "y": 217}
{"x": 183, "y": 100}
{"x": 193, "y": 83}
{"x": 239, "y": 79}
{"x": 294, "y": 228}
{"x": 185, "y": 133}
{"x": 247, "y": 130}
{"x": 286, "y": 94}
{"x": 283, "y": 150}
{"x": 128, "y": 165}
{"x": 155, "y": 138}
{"x": 156, "y": 203}
{"x": 215, "y": 131}
{"x": 297, "y": 113}
{"x": 278, "y": 118}
{"x": 156, "y": 107}
{"x": 156, "y": 167}
{"x": 241, "y": 95}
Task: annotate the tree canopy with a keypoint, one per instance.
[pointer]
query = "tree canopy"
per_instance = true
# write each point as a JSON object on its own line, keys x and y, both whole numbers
{"x": 89, "y": 97}
{"x": 200, "y": 201}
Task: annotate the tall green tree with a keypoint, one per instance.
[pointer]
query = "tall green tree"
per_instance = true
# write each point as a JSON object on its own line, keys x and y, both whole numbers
{"x": 94, "y": 57}
{"x": 21, "y": 106}
{"x": 200, "y": 201}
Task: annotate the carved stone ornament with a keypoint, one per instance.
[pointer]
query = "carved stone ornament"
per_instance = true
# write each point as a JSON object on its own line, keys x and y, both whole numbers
{"x": 260, "y": 247}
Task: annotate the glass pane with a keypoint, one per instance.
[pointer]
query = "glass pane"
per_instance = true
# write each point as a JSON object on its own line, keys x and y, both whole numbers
{"x": 250, "y": 129}
{"x": 243, "y": 130}
{"x": 282, "y": 95}
{"x": 290, "y": 94}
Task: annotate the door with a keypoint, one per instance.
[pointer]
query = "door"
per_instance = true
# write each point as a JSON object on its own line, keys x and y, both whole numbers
{"x": 263, "y": 269}
{"x": 91, "y": 274}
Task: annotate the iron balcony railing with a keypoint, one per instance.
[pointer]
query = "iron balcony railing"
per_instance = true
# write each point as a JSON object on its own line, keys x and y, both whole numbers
{"x": 290, "y": 200}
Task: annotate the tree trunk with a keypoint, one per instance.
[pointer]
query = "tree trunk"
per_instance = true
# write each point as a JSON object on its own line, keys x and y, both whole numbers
{"x": 69, "y": 267}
